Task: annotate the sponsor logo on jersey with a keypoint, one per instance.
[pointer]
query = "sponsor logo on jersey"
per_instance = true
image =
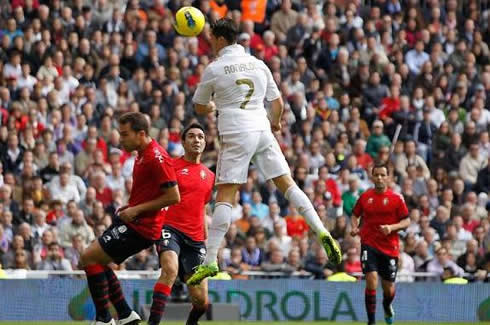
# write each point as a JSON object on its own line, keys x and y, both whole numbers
{"x": 158, "y": 155}
{"x": 184, "y": 171}
{"x": 203, "y": 174}
{"x": 370, "y": 200}
{"x": 385, "y": 201}
{"x": 122, "y": 229}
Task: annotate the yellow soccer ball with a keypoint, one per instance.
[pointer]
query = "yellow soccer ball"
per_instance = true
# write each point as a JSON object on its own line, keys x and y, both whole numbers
{"x": 189, "y": 21}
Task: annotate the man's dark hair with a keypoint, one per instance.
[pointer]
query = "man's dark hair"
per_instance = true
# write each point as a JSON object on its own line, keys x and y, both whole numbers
{"x": 191, "y": 126}
{"x": 225, "y": 28}
{"x": 380, "y": 165}
{"x": 52, "y": 244}
{"x": 137, "y": 121}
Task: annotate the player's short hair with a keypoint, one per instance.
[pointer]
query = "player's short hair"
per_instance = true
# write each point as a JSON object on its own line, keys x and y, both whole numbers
{"x": 225, "y": 28}
{"x": 137, "y": 121}
{"x": 191, "y": 126}
{"x": 380, "y": 165}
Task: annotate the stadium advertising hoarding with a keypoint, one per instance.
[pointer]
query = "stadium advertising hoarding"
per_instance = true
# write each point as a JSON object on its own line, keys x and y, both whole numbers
{"x": 69, "y": 299}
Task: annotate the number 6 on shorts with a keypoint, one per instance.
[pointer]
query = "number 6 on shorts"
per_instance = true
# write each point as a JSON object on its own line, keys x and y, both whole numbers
{"x": 166, "y": 234}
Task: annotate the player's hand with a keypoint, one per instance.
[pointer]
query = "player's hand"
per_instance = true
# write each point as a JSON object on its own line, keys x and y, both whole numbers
{"x": 354, "y": 231}
{"x": 211, "y": 107}
{"x": 128, "y": 214}
{"x": 121, "y": 208}
{"x": 385, "y": 229}
{"x": 276, "y": 127}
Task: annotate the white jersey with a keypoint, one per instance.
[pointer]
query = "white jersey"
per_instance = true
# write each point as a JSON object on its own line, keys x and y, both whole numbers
{"x": 240, "y": 83}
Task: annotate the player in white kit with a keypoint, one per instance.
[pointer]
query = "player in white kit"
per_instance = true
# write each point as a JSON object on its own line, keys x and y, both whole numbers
{"x": 239, "y": 83}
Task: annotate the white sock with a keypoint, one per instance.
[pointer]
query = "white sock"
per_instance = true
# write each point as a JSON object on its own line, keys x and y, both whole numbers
{"x": 303, "y": 204}
{"x": 217, "y": 230}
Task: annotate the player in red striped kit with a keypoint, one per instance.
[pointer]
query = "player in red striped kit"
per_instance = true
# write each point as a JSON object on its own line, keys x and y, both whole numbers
{"x": 383, "y": 213}
{"x": 138, "y": 225}
{"x": 182, "y": 246}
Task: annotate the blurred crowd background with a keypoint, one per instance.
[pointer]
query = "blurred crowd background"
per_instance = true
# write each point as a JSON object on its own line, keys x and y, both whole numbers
{"x": 349, "y": 72}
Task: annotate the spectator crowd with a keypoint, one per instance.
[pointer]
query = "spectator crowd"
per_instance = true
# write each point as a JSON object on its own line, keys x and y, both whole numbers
{"x": 349, "y": 73}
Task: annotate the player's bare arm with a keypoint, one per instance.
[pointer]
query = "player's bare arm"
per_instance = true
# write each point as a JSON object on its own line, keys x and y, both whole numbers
{"x": 170, "y": 196}
{"x": 354, "y": 225}
{"x": 205, "y": 109}
{"x": 388, "y": 229}
{"x": 276, "y": 113}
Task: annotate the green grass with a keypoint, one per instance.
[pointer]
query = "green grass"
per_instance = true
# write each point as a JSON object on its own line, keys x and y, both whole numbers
{"x": 242, "y": 323}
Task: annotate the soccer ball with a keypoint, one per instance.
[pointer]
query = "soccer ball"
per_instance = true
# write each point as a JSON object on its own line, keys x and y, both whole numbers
{"x": 189, "y": 21}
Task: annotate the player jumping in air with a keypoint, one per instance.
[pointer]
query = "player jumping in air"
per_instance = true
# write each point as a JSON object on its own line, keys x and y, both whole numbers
{"x": 182, "y": 246}
{"x": 138, "y": 225}
{"x": 240, "y": 83}
{"x": 383, "y": 213}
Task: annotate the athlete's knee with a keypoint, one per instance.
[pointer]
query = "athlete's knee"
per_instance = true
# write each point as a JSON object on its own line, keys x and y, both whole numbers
{"x": 283, "y": 183}
{"x": 93, "y": 255}
{"x": 170, "y": 267}
{"x": 226, "y": 192}
{"x": 168, "y": 274}
{"x": 86, "y": 259}
{"x": 372, "y": 280}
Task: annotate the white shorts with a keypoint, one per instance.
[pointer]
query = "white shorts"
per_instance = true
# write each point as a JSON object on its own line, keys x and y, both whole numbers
{"x": 239, "y": 149}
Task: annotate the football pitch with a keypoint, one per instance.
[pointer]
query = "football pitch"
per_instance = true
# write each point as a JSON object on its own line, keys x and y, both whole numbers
{"x": 241, "y": 323}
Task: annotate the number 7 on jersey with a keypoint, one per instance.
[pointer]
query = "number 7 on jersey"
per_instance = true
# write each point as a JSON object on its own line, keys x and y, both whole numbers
{"x": 250, "y": 84}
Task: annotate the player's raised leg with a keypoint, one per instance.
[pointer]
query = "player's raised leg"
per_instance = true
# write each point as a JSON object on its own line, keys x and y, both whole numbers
{"x": 93, "y": 261}
{"x": 219, "y": 226}
{"x": 370, "y": 296}
{"x": 295, "y": 195}
{"x": 169, "y": 263}
{"x": 199, "y": 300}
{"x": 388, "y": 297}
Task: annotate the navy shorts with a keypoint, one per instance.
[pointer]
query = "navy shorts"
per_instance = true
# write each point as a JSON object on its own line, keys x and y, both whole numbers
{"x": 120, "y": 241}
{"x": 191, "y": 253}
{"x": 372, "y": 260}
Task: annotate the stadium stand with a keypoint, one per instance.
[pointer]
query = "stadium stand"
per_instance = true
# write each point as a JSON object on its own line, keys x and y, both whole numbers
{"x": 349, "y": 71}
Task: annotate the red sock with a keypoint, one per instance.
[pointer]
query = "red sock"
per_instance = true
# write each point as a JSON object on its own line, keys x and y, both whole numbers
{"x": 161, "y": 292}
{"x": 370, "y": 300}
{"x": 99, "y": 289}
{"x": 116, "y": 294}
